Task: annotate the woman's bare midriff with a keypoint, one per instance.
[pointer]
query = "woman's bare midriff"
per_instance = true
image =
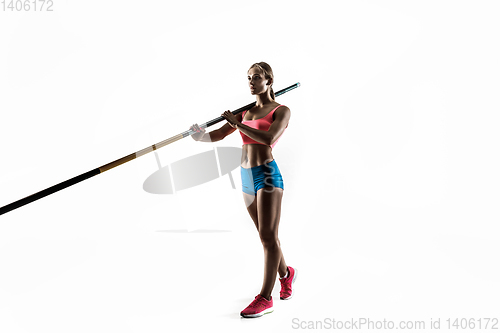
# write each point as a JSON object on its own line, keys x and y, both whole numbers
{"x": 255, "y": 154}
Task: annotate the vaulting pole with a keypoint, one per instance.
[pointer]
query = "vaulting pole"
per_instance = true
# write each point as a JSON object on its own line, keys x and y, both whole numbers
{"x": 106, "y": 167}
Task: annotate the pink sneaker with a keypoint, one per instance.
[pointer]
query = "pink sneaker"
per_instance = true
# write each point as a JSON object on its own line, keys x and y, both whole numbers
{"x": 287, "y": 283}
{"x": 259, "y": 306}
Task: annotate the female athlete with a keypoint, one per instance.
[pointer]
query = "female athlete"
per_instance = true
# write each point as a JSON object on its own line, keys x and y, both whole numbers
{"x": 260, "y": 128}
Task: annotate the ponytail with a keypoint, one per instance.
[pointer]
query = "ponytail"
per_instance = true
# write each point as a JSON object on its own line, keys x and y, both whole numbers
{"x": 272, "y": 94}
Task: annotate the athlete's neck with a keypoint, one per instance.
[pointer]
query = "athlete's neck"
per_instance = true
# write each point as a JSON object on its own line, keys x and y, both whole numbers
{"x": 263, "y": 100}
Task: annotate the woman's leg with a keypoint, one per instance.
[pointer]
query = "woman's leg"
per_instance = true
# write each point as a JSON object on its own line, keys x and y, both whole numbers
{"x": 268, "y": 215}
{"x": 251, "y": 204}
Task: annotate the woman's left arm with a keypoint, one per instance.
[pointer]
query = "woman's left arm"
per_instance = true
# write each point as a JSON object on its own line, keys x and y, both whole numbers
{"x": 279, "y": 124}
{"x": 268, "y": 137}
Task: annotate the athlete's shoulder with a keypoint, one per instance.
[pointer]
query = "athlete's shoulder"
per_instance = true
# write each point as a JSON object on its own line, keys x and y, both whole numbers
{"x": 282, "y": 111}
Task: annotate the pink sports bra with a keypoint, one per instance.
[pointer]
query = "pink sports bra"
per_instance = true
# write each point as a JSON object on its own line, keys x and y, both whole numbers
{"x": 262, "y": 124}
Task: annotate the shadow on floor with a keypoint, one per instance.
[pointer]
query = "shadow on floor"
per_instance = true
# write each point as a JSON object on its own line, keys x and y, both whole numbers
{"x": 198, "y": 231}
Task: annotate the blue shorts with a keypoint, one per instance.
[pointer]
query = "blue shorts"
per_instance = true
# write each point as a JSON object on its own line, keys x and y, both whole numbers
{"x": 264, "y": 175}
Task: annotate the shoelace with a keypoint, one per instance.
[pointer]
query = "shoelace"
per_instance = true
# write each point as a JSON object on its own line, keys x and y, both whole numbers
{"x": 257, "y": 303}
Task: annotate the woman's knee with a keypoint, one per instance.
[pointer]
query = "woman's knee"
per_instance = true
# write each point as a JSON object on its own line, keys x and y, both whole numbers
{"x": 269, "y": 239}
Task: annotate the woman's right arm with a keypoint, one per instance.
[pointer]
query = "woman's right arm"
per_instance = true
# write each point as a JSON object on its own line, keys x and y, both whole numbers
{"x": 215, "y": 135}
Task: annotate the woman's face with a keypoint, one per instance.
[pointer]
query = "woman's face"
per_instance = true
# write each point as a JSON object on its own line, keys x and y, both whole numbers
{"x": 257, "y": 82}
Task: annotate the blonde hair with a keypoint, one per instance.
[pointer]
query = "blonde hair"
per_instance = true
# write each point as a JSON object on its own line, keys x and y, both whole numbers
{"x": 268, "y": 73}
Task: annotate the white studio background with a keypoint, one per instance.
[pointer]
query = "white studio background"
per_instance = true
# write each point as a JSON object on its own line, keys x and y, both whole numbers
{"x": 390, "y": 163}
